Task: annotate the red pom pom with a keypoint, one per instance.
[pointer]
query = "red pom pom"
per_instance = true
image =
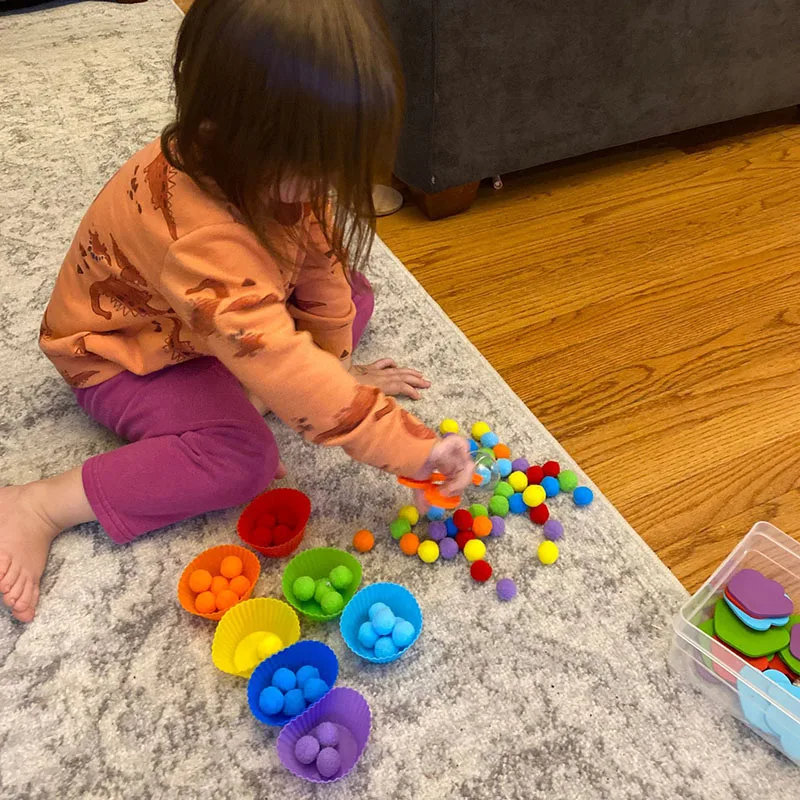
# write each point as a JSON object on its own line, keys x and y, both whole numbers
{"x": 539, "y": 514}
{"x": 535, "y": 474}
{"x": 281, "y": 534}
{"x": 463, "y": 519}
{"x": 267, "y": 521}
{"x": 463, "y": 537}
{"x": 481, "y": 571}
{"x": 286, "y": 517}
{"x": 264, "y": 536}
{"x": 551, "y": 468}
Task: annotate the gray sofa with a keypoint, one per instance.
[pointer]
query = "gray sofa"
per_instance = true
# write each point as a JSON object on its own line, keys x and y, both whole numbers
{"x": 495, "y": 86}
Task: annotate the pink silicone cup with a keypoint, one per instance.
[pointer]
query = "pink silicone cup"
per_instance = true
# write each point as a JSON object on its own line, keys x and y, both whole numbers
{"x": 346, "y": 709}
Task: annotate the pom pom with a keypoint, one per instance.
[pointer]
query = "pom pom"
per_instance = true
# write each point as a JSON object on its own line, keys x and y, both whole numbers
{"x": 293, "y": 703}
{"x": 409, "y": 544}
{"x": 482, "y": 526}
{"x": 504, "y": 489}
{"x": 516, "y": 505}
{"x": 240, "y": 585}
{"x": 473, "y": 446}
{"x": 327, "y": 734}
{"x": 448, "y": 426}
{"x": 269, "y": 645}
{"x": 498, "y": 506}
{"x": 506, "y": 589}
{"x": 329, "y": 762}
{"x": 403, "y": 633}
{"x": 478, "y": 510}
{"x": 539, "y": 514}
{"x": 567, "y": 480}
{"x": 478, "y": 429}
{"x": 474, "y": 550}
{"x": 383, "y": 622}
{"x": 553, "y": 530}
{"x": 548, "y": 552}
{"x": 489, "y": 439}
{"x": 385, "y": 647}
{"x": 270, "y": 701}
{"x": 520, "y": 464}
{"x": 305, "y": 673}
{"x": 435, "y": 513}
{"x": 428, "y": 551}
{"x": 448, "y": 548}
{"x": 200, "y": 581}
{"x": 367, "y": 635}
{"x": 582, "y": 496}
{"x": 314, "y": 689}
{"x": 551, "y": 468}
{"x": 498, "y": 526}
{"x": 481, "y": 571}
{"x": 321, "y": 589}
{"x": 450, "y": 526}
{"x": 463, "y": 519}
{"x": 534, "y": 495}
{"x": 205, "y": 603}
{"x": 332, "y": 602}
{"x": 410, "y": 513}
{"x": 281, "y": 534}
{"x": 534, "y": 474}
{"x": 437, "y": 531}
{"x": 464, "y": 537}
{"x": 231, "y": 566}
{"x": 341, "y": 577}
{"x": 504, "y": 467}
{"x": 550, "y": 485}
{"x": 303, "y": 588}
{"x": 399, "y": 528}
{"x": 284, "y": 679}
{"x": 363, "y": 541}
{"x": 226, "y": 599}
{"x": 501, "y": 451}
{"x": 518, "y": 481}
{"x": 306, "y": 750}
{"x": 375, "y": 608}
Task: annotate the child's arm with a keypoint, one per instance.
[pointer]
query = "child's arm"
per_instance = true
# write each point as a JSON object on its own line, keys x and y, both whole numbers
{"x": 221, "y": 283}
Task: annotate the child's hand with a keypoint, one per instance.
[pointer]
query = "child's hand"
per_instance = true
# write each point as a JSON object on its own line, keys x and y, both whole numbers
{"x": 452, "y": 458}
{"x": 390, "y": 379}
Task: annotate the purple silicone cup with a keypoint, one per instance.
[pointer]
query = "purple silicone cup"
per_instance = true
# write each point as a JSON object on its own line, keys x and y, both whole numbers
{"x": 346, "y": 709}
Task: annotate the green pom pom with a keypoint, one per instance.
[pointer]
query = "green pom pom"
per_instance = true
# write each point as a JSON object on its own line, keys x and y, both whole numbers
{"x": 332, "y": 603}
{"x": 399, "y": 528}
{"x": 322, "y": 588}
{"x": 498, "y": 506}
{"x": 478, "y": 510}
{"x": 341, "y": 577}
{"x": 504, "y": 489}
{"x": 304, "y": 588}
{"x": 567, "y": 480}
{"x": 487, "y": 450}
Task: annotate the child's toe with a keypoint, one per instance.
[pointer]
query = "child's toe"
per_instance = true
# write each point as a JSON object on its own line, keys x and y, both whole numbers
{"x": 10, "y": 578}
{"x": 25, "y": 616}
{"x": 23, "y": 602}
{"x": 11, "y": 597}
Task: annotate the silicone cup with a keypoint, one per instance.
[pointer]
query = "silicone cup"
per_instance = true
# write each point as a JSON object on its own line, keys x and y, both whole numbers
{"x": 346, "y": 709}
{"x": 258, "y": 614}
{"x": 269, "y": 503}
{"x": 318, "y": 563}
{"x": 211, "y": 559}
{"x": 299, "y": 654}
{"x": 356, "y": 612}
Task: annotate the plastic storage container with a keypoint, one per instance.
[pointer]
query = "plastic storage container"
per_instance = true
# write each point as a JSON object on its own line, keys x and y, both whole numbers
{"x": 725, "y": 678}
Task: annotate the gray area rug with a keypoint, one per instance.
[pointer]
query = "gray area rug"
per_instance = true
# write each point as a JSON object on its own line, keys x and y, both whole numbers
{"x": 111, "y": 693}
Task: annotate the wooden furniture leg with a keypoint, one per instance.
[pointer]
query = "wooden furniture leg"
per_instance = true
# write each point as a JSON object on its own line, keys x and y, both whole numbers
{"x": 446, "y": 203}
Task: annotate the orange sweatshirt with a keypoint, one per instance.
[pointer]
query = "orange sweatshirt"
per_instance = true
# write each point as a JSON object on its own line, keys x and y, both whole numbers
{"x": 161, "y": 271}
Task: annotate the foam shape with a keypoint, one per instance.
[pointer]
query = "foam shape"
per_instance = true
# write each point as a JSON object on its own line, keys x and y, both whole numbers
{"x": 731, "y": 630}
{"x": 786, "y": 654}
{"x": 794, "y": 640}
{"x": 757, "y": 624}
{"x": 758, "y": 595}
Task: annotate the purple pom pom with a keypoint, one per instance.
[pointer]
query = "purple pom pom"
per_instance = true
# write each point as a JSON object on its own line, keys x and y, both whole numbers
{"x": 327, "y": 734}
{"x": 437, "y": 531}
{"x": 520, "y": 464}
{"x": 506, "y": 589}
{"x": 329, "y": 762}
{"x": 306, "y": 750}
{"x": 498, "y": 526}
{"x": 553, "y": 530}
{"x": 448, "y": 548}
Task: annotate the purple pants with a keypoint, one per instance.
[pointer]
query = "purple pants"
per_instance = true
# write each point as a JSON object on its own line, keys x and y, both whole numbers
{"x": 197, "y": 444}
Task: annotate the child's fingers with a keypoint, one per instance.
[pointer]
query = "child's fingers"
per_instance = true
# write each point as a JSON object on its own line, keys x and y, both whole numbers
{"x": 413, "y": 378}
{"x": 384, "y": 363}
{"x": 420, "y": 502}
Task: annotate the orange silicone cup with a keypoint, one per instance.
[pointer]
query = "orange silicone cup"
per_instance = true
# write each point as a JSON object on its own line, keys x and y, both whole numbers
{"x": 271, "y": 502}
{"x": 211, "y": 559}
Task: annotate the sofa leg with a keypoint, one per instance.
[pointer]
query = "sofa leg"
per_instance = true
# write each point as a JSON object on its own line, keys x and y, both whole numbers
{"x": 444, "y": 204}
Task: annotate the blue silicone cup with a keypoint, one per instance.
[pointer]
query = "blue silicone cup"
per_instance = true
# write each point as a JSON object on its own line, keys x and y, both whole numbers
{"x": 297, "y": 655}
{"x": 398, "y": 598}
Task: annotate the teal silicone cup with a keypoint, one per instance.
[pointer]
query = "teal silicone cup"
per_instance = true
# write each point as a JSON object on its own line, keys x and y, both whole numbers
{"x": 398, "y": 598}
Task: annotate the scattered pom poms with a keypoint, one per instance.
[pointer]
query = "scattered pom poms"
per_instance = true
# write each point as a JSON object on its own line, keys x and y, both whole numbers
{"x": 428, "y": 551}
{"x": 518, "y": 481}
{"x": 534, "y": 474}
{"x": 501, "y": 451}
{"x": 363, "y": 541}
{"x": 481, "y": 571}
{"x": 553, "y": 530}
{"x": 410, "y": 513}
{"x": 399, "y": 528}
{"x": 409, "y": 544}
{"x": 448, "y": 549}
{"x": 504, "y": 467}
{"x": 520, "y": 464}
{"x": 463, "y": 519}
{"x": 478, "y": 510}
{"x": 435, "y": 513}
{"x": 474, "y": 550}
{"x": 582, "y": 496}
{"x": 498, "y": 526}
{"x": 516, "y": 505}
{"x": 482, "y": 526}
{"x": 551, "y": 468}
{"x": 498, "y": 506}
{"x": 567, "y": 480}
{"x": 550, "y": 485}
{"x": 450, "y": 527}
{"x": 489, "y": 439}
{"x": 506, "y": 589}
{"x": 534, "y": 495}
{"x": 504, "y": 489}
{"x": 437, "y": 531}
{"x": 539, "y": 514}
{"x": 463, "y": 537}
{"x": 478, "y": 429}
{"x": 448, "y": 426}
{"x": 548, "y": 552}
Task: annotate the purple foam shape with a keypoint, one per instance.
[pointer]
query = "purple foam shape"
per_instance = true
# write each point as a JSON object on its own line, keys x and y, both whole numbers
{"x": 346, "y": 709}
{"x": 437, "y": 531}
{"x": 794, "y": 642}
{"x": 553, "y": 530}
{"x": 758, "y": 595}
{"x": 448, "y": 548}
{"x": 498, "y": 526}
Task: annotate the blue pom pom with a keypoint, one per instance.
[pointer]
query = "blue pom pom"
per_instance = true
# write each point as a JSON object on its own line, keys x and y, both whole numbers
{"x": 435, "y": 513}
{"x": 270, "y": 701}
{"x": 385, "y": 647}
{"x": 504, "y": 467}
{"x": 383, "y": 622}
{"x": 403, "y": 633}
{"x": 451, "y": 527}
{"x": 516, "y": 505}
{"x": 375, "y": 608}
{"x": 284, "y": 679}
{"x": 485, "y": 474}
{"x": 314, "y": 689}
{"x": 473, "y": 445}
{"x": 489, "y": 439}
{"x": 367, "y": 635}
{"x": 550, "y": 486}
{"x": 582, "y": 496}
{"x": 306, "y": 673}
{"x": 294, "y": 703}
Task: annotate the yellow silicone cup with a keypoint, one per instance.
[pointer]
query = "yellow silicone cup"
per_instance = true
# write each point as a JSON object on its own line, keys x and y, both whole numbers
{"x": 259, "y": 614}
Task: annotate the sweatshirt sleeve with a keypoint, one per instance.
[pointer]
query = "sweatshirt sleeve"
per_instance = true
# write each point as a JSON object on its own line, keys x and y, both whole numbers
{"x": 322, "y": 302}
{"x": 230, "y": 292}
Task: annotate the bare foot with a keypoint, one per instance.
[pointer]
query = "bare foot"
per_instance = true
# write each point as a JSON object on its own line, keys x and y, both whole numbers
{"x": 26, "y": 534}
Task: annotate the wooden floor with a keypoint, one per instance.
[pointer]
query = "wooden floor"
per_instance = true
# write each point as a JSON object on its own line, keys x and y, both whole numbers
{"x": 645, "y": 304}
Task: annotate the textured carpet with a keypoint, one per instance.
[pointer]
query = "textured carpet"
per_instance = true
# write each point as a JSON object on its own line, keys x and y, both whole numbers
{"x": 563, "y": 693}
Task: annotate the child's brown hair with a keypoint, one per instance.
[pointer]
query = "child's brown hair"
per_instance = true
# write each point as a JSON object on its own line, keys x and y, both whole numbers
{"x": 269, "y": 91}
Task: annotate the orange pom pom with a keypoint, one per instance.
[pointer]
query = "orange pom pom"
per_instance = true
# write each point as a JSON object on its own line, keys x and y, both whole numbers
{"x": 218, "y": 583}
{"x": 240, "y": 585}
{"x": 501, "y": 451}
{"x": 363, "y": 541}
{"x": 226, "y": 598}
{"x": 205, "y": 603}
{"x": 409, "y": 543}
{"x": 482, "y": 526}
{"x": 231, "y": 566}
{"x": 200, "y": 580}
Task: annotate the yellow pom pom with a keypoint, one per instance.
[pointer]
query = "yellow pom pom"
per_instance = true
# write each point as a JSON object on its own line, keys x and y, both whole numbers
{"x": 548, "y": 552}
{"x": 474, "y": 550}
{"x": 428, "y": 551}
{"x": 534, "y": 495}
{"x": 409, "y": 513}
{"x": 448, "y": 426}
{"x": 518, "y": 480}
{"x": 269, "y": 645}
{"x": 478, "y": 429}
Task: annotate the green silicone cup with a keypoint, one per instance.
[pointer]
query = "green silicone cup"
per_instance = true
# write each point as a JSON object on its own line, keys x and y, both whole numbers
{"x": 318, "y": 563}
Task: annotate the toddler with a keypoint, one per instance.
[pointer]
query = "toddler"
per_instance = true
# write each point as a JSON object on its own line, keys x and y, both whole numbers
{"x": 215, "y": 276}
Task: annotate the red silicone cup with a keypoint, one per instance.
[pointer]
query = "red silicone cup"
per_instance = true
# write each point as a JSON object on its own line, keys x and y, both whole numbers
{"x": 274, "y": 502}
{"x": 346, "y": 709}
